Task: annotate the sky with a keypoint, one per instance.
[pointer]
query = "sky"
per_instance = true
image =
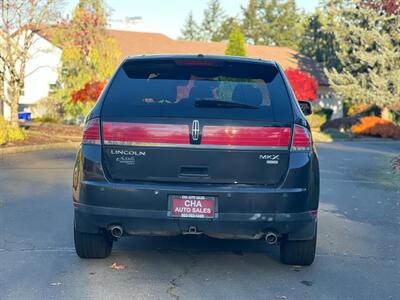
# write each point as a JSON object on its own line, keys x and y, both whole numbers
{"x": 168, "y": 16}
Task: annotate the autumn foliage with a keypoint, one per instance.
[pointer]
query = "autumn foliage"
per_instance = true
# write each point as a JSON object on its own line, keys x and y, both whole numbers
{"x": 375, "y": 126}
{"x": 305, "y": 87}
{"x": 388, "y": 6}
{"x": 90, "y": 92}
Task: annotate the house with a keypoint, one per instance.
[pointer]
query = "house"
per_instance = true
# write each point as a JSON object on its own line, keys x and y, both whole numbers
{"x": 47, "y": 59}
{"x": 41, "y": 72}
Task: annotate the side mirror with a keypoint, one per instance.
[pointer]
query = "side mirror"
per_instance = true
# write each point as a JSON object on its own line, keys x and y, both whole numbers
{"x": 305, "y": 107}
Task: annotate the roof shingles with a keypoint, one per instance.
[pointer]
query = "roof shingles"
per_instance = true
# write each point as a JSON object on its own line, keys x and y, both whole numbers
{"x": 139, "y": 43}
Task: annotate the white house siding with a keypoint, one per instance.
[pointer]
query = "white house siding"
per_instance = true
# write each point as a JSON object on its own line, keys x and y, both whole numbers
{"x": 327, "y": 99}
{"x": 41, "y": 71}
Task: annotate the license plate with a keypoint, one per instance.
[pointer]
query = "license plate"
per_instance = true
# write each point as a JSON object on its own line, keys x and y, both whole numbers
{"x": 192, "y": 207}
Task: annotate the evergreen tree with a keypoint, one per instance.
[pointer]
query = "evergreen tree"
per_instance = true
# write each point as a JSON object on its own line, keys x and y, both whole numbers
{"x": 190, "y": 30}
{"x": 252, "y": 24}
{"x": 226, "y": 28}
{"x": 272, "y": 22}
{"x": 318, "y": 41}
{"x": 286, "y": 24}
{"x": 369, "y": 53}
{"x": 214, "y": 17}
{"x": 236, "y": 44}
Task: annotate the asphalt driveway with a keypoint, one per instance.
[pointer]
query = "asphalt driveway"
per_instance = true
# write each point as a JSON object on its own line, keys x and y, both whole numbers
{"x": 358, "y": 254}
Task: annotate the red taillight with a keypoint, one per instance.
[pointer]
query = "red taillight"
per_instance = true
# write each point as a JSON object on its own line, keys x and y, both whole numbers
{"x": 246, "y": 136}
{"x": 91, "y": 132}
{"x": 144, "y": 133}
{"x": 301, "y": 139}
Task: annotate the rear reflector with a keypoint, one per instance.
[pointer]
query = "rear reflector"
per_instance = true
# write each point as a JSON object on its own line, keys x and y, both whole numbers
{"x": 143, "y": 133}
{"x": 246, "y": 136}
{"x": 301, "y": 139}
{"x": 91, "y": 132}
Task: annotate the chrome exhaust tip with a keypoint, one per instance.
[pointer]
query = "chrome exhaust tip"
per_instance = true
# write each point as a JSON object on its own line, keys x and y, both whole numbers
{"x": 271, "y": 238}
{"x": 116, "y": 231}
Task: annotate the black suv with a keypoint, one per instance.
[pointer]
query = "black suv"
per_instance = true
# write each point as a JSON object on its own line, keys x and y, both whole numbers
{"x": 195, "y": 144}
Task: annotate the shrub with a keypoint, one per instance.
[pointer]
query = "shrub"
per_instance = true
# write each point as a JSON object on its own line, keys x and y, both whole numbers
{"x": 47, "y": 108}
{"x": 3, "y": 131}
{"x": 341, "y": 124}
{"x": 15, "y": 134}
{"x": 323, "y": 112}
{"x": 304, "y": 86}
{"x": 45, "y": 120}
{"x": 316, "y": 121}
{"x": 355, "y": 109}
{"x": 375, "y": 126}
{"x": 337, "y": 134}
{"x": 362, "y": 110}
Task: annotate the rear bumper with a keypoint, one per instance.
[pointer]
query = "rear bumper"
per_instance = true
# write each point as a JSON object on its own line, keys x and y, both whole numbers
{"x": 242, "y": 212}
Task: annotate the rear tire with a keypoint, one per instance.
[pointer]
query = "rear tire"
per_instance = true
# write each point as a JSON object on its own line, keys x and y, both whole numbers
{"x": 300, "y": 253}
{"x": 88, "y": 245}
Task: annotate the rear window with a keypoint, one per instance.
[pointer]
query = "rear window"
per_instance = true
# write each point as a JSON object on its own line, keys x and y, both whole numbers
{"x": 198, "y": 89}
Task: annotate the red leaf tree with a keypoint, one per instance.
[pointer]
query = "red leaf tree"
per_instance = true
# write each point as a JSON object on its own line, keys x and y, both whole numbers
{"x": 390, "y": 7}
{"x": 90, "y": 92}
{"x": 305, "y": 87}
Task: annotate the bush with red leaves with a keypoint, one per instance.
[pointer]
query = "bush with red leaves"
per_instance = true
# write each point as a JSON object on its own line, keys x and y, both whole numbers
{"x": 375, "y": 126}
{"x": 90, "y": 92}
{"x": 305, "y": 86}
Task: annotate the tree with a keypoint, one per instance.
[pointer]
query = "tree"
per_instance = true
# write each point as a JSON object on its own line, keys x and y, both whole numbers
{"x": 213, "y": 18}
{"x": 387, "y": 6}
{"x": 89, "y": 55}
{"x": 272, "y": 22}
{"x": 318, "y": 41}
{"x": 236, "y": 45}
{"x": 252, "y": 24}
{"x": 370, "y": 55}
{"x": 89, "y": 93}
{"x": 19, "y": 21}
{"x": 226, "y": 28}
{"x": 285, "y": 23}
{"x": 190, "y": 30}
{"x": 304, "y": 86}
{"x": 2, "y": 83}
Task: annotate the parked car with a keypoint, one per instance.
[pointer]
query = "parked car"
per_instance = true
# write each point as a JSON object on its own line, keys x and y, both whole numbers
{"x": 194, "y": 144}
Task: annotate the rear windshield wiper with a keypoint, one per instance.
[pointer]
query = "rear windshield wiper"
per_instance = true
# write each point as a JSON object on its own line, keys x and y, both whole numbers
{"x": 223, "y": 104}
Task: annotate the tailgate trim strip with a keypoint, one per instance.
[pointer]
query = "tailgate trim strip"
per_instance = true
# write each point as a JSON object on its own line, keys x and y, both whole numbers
{"x": 193, "y": 146}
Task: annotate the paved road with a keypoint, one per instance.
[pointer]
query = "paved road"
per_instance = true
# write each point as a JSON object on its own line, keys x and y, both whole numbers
{"x": 358, "y": 254}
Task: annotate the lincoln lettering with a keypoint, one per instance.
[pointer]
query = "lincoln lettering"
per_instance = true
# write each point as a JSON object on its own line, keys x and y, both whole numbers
{"x": 128, "y": 152}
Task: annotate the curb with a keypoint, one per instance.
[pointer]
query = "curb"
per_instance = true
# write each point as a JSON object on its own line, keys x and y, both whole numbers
{"x": 379, "y": 140}
{"x": 366, "y": 139}
{"x": 12, "y": 150}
